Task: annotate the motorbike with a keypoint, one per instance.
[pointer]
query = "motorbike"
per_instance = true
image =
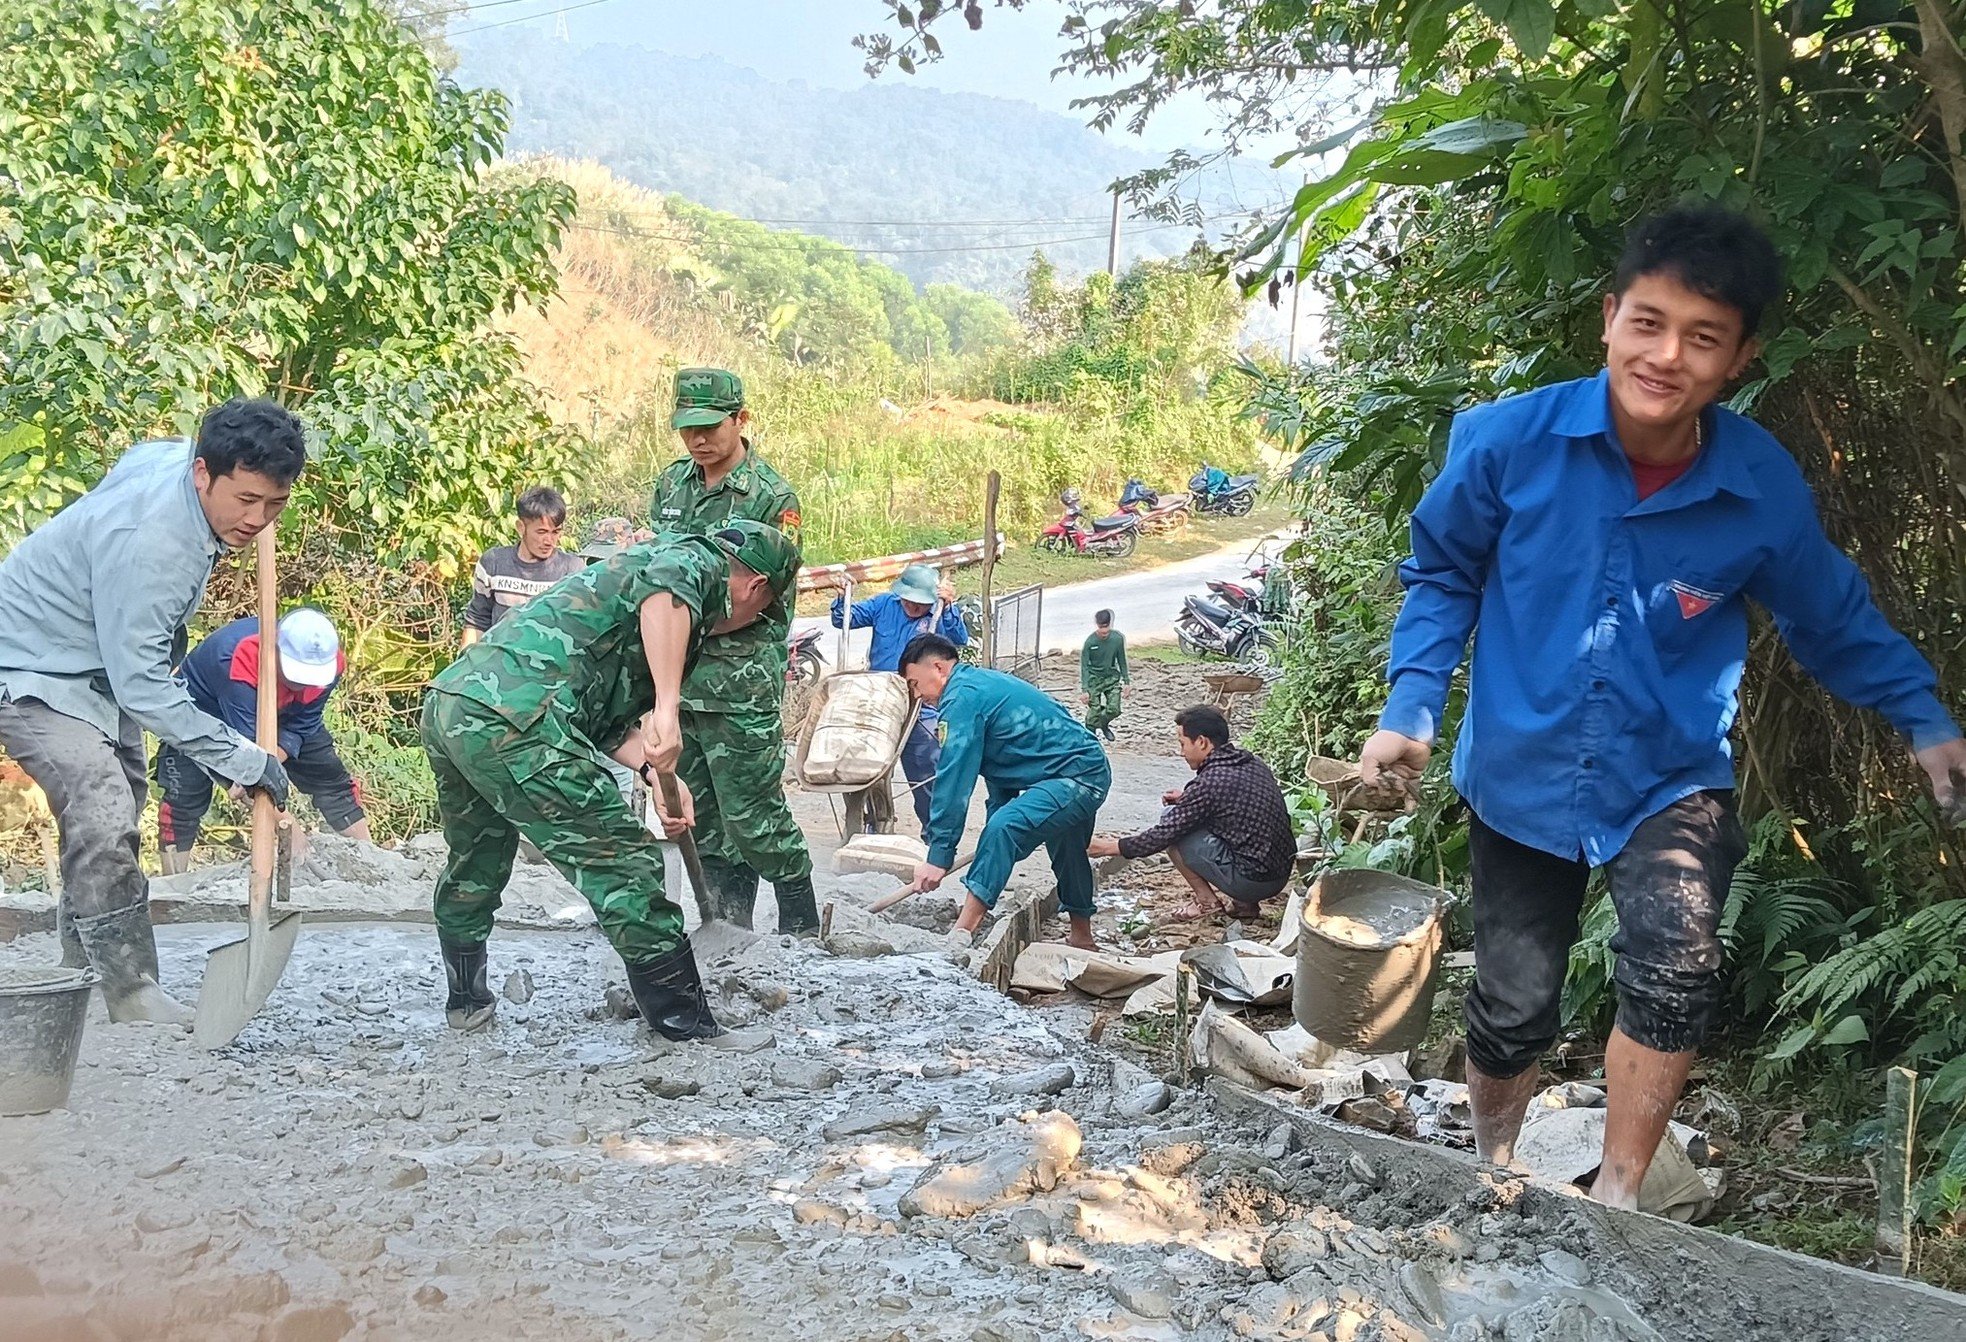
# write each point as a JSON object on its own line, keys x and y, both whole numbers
{"x": 1110, "y": 537}
{"x": 1216, "y": 491}
{"x": 1209, "y": 628}
{"x": 1155, "y": 511}
{"x": 805, "y": 662}
{"x": 1246, "y": 596}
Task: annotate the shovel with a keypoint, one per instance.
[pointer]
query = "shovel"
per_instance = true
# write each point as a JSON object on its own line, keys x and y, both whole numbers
{"x": 886, "y": 902}
{"x": 240, "y": 975}
{"x": 672, "y": 802}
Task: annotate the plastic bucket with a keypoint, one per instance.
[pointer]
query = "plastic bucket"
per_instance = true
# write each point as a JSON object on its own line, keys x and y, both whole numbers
{"x": 41, "y": 1015}
{"x": 1368, "y": 958}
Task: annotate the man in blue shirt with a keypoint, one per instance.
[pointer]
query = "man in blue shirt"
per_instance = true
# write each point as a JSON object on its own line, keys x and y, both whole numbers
{"x": 1600, "y": 539}
{"x": 91, "y": 605}
{"x": 1045, "y": 773}
{"x": 896, "y": 616}
{"x": 222, "y": 673}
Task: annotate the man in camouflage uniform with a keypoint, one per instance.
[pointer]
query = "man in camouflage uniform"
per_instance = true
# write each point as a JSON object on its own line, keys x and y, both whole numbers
{"x": 733, "y": 734}
{"x": 518, "y": 728}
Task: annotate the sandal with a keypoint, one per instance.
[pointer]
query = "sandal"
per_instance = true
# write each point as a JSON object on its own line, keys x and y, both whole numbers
{"x": 1193, "y": 911}
{"x": 1246, "y": 912}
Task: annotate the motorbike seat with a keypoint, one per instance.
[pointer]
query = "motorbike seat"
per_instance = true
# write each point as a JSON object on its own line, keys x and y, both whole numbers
{"x": 1242, "y": 481}
{"x": 1211, "y": 608}
{"x": 1116, "y": 520}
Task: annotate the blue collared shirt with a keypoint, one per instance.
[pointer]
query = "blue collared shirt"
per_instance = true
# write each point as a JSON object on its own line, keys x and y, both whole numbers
{"x": 1014, "y": 736}
{"x": 1610, "y": 633}
{"x": 893, "y": 627}
{"x": 90, "y": 603}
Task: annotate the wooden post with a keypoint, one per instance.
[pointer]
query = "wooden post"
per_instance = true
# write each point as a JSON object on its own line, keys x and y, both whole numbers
{"x": 1183, "y": 1025}
{"x": 991, "y": 484}
{"x": 1894, "y": 1172}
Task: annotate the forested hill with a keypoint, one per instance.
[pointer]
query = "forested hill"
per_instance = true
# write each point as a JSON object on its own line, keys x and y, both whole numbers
{"x": 800, "y": 156}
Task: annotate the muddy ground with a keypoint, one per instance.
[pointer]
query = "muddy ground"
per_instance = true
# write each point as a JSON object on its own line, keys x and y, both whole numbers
{"x": 915, "y": 1158}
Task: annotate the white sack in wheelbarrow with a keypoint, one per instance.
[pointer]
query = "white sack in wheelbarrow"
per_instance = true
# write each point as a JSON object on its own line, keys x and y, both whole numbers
{"x": 861, "y": 718}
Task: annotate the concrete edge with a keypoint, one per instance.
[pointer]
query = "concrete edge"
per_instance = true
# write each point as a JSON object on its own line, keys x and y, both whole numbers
{"x": 1020, "y": 916}
{"x": 1722, "y": 1284}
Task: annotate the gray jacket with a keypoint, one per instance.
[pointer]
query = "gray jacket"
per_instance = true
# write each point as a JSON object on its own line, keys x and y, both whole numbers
{"x": 90, "y": 601}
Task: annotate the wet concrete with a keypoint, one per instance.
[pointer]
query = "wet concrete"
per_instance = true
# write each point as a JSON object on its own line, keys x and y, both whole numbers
{"x": 351, "y": 1168}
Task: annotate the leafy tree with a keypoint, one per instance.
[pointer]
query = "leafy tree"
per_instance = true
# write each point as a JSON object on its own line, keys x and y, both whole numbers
{"x": 216, "y": 197}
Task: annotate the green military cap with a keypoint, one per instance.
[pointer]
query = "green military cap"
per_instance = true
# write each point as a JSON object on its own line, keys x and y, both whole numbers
{"x": 763, "y": 549}
{"x": 706, "y": 396}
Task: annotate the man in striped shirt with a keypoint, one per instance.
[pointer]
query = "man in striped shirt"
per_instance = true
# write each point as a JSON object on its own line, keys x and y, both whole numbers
{"x": 511, "y": 575}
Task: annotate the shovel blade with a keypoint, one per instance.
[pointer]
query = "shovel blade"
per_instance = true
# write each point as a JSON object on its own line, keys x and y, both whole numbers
{"x": 239, "y": 977}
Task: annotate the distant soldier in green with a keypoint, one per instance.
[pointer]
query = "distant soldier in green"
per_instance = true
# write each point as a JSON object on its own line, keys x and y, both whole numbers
{"x": 733, "y": 734}
{"x": 518, "y": 729}
{"x": 1103, "y": 675}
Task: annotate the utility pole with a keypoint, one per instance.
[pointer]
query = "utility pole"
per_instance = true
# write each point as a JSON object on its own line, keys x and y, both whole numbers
{"x": 560, "y": 33}
{"x": 1113, "y": 239}
{"x": 1296, "y": 294}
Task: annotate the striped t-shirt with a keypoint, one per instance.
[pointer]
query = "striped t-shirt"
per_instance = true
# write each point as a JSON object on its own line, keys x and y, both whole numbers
{"x": 503, "y": 582}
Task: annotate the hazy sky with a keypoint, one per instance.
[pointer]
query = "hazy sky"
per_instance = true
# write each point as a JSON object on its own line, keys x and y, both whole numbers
{"x": 1011, "y": 56}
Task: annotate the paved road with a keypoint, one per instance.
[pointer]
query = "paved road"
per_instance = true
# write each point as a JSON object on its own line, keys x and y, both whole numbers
{"x": 1144, "y": 602}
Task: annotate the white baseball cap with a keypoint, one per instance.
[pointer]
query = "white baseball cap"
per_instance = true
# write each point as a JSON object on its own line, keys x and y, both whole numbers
{"x": 310, "y": 649}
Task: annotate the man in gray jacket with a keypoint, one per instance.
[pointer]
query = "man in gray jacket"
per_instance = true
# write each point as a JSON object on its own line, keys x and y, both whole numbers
{"x": 91, "y": 606}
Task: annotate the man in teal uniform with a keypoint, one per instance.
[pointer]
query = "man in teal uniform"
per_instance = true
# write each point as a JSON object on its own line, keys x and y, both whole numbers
{"x": 1046, "y": 775}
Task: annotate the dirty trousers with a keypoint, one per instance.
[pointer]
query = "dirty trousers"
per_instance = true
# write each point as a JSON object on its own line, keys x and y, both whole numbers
{"x": 1058, "y": 813}
{"x": 496, "y": 782}
{"x": 96, "y": 790}
{"x": 1669, "y": 884}
{"x": 1104, "y": 707}
{"x": 734, "y": 764}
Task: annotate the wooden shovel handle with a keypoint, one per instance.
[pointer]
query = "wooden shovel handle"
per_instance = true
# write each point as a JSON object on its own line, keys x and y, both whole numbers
{"x": 886, "y": 902}
{"x": 266, "y": 817}
{"x": 672, "y": 802}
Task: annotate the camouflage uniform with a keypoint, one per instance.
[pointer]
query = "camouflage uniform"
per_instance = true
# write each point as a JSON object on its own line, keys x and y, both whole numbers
{"x": 733, "y": 732}
{"x": 517, "y": 729}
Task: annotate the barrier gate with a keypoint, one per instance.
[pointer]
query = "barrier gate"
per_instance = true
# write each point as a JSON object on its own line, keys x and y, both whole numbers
{"x": 1014, "y": 621}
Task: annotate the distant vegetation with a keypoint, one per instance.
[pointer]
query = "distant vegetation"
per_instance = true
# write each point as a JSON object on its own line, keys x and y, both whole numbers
{"x": 738, "y": 142}
{"x": 1083, "y": 385}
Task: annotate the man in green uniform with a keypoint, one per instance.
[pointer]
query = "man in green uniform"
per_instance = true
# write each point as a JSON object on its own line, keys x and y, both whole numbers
{"x": 1103, "y": 674}
{"x": 518, "y": 729}
{"x": 733, "y": 734}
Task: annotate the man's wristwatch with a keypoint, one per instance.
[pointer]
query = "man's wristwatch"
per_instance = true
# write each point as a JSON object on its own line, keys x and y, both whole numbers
{"x": 647, "y": 773}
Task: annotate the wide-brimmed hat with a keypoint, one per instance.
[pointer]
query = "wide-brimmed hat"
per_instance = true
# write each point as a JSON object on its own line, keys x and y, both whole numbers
{"x": 917, "y": 583}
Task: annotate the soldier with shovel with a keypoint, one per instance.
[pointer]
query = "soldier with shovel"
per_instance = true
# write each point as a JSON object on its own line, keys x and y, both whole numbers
{"x": 518, "y": 729}
{"x": 90, "y": 606}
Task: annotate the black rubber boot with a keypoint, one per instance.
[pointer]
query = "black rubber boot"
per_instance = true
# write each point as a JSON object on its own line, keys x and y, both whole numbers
{"x": 669, "y": 992}
{"x": 470, "y": 1005}
{"x": 798, "y": 907}
{"x": 733, "y": 891}
{"x": 123, "y": 950}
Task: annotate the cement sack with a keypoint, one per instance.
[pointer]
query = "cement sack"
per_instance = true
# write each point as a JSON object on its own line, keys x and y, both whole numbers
{"x": 858, "y": 729}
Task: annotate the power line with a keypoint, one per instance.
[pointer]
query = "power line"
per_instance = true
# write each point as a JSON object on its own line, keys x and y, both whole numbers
{"x": 527, "y": 18}
{"x": 820, "y": 222}
{"x": 698, "y": 240}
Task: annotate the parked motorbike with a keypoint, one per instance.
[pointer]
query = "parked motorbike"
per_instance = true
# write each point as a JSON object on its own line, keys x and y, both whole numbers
{"x": 1209, "y": 628}
{"x": 805, "y": 662}
{"x": 1246, "y": 596}
{"x": 1156, "y": 512}
{"x": 1073, "y": 533}
{"x": 1216, "y": 491}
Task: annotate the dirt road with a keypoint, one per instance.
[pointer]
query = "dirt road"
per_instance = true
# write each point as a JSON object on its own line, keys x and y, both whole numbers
{"x": 1145, "y": 603}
